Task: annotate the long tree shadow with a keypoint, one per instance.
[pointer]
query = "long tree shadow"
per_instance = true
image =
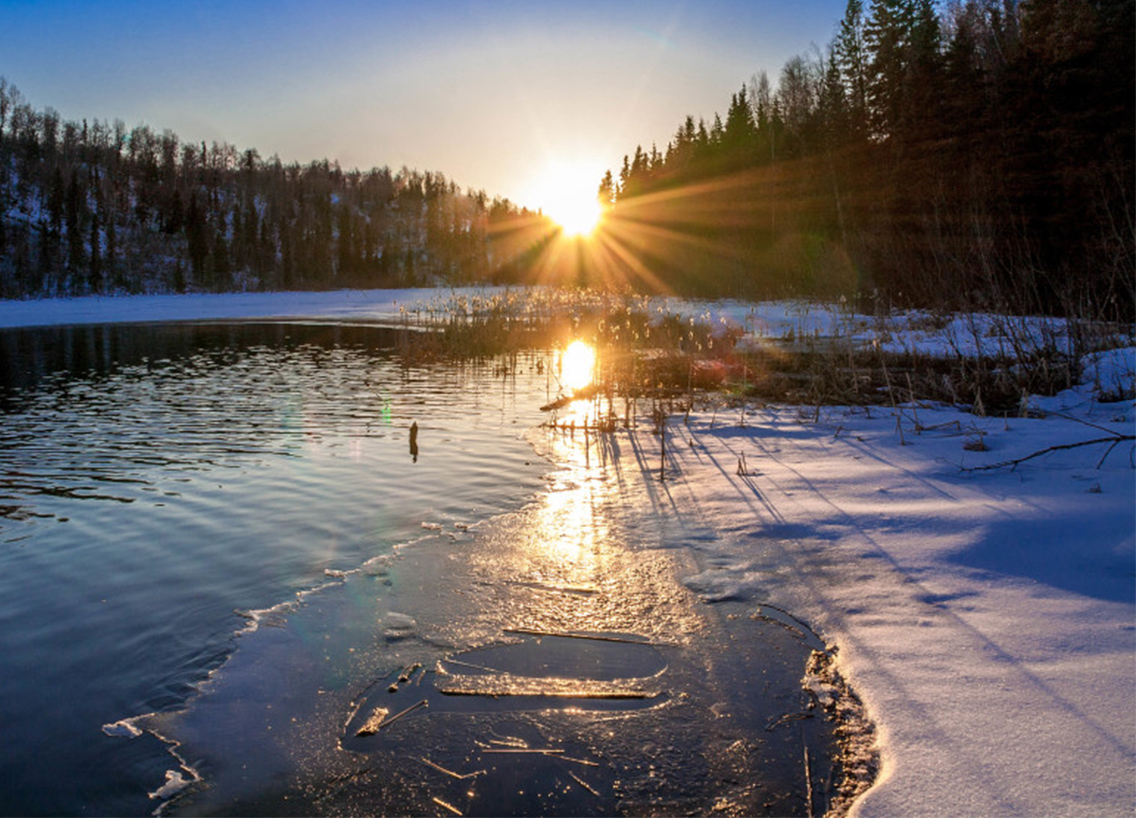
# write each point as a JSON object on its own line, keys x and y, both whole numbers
{"x": 1101, "y": 566}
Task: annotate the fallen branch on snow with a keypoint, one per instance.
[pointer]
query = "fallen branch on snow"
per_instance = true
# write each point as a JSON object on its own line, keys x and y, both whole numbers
{"x": 1115, "y": 440}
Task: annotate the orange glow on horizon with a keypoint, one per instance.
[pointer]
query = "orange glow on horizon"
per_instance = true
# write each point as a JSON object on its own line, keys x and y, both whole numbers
{"x": 567, "y": 194}
{"x": 730, "y": 230}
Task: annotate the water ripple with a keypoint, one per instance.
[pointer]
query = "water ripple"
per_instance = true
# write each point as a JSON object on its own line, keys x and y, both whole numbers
{"x": 154, "y": 480}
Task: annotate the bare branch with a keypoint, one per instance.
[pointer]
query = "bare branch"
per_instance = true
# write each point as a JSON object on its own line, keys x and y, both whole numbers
{"x": 1013, "y": 464}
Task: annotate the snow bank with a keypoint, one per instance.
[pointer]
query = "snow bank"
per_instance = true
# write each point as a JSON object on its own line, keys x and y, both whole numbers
{"x": 908, "y": 331}
{"x": 987, "y": 618}
{"x": 343, "y": 305}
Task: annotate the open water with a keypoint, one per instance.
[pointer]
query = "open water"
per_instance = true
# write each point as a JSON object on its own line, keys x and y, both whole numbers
{"x": 230, "y": 584}
{"x": 161, "y": 484}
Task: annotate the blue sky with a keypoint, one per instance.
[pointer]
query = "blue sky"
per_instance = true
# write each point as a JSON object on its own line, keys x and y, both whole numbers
{"x": 490, "y": 93}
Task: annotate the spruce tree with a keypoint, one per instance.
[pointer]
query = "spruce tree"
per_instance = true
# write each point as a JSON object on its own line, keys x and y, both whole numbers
{"x": 849, "y": 55}
{"x": 887, "y": 36}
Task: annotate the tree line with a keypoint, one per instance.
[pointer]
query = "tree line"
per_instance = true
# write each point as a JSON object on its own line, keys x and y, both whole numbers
{"x": 977, "y": 155}
{"x": 88, "y": 208}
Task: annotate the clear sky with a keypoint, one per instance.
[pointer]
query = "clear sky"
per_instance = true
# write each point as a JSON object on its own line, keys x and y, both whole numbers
{"x": 496, "y": 95}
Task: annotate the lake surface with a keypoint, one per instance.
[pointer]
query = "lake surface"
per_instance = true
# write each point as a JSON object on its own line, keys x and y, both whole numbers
{"x": 158, "y": 483}
{"x": 218, "y": 535}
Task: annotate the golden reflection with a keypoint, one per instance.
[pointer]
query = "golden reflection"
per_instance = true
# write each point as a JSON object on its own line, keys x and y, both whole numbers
{"x": 577, "y": 365}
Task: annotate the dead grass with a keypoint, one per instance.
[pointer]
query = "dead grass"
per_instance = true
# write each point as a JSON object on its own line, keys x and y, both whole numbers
{"x": 990, "y": 364}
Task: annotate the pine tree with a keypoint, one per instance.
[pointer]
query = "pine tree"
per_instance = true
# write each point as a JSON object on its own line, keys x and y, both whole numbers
{"x": 887, "y": 36}
{"x": 851, "y": 58}
{"x": 606, "y": 192}
{"x": 95, "y": 271}
{"x": 739, "y": 136}
{"x": 74, "y": 214}
{"x": 195, "y": 233}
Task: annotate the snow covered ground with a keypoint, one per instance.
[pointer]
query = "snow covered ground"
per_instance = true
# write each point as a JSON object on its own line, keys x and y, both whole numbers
{"x": 986, "y": 616}
{"x": 341, "y": 305}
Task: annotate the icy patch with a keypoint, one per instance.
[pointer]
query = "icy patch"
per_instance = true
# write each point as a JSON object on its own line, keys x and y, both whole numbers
{"x": 378, "y": 566}
{"x": 125, "y": 728}
{"x": 398, "y": 626}
{"x": 726, "y": 583}
{"x": 273, "y": 617}
{"x": 175, "y": 783}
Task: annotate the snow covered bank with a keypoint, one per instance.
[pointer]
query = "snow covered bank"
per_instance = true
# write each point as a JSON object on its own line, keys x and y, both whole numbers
{"x": 987, "y": 618}
{"x": 342, "y": 305}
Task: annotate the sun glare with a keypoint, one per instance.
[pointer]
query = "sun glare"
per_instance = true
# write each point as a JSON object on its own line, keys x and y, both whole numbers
{"x": 576, "y": 218}
{"x": 567, "y": 195}
{"x": 577, "y": 365}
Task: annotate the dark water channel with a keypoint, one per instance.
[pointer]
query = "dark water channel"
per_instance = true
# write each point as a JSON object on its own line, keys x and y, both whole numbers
{"x": 223, "y": 526}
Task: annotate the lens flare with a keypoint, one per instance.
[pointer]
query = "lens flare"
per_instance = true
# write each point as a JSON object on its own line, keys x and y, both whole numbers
{"x": 576, "y": 217}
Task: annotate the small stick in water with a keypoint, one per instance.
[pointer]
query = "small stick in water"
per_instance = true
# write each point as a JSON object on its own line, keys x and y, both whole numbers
{"x": 451, "y": 773}
{"x": 373, "y": 722}
{"x": 584, "y": 784}
{"x": 809, "y": 781}
{"x": 450, "y": 807}
{"x": 535, "y": 751}
{"x": 381, "y": 721}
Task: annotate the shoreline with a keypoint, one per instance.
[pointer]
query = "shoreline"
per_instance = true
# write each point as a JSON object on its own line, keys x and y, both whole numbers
{"x": 592, "y": 554}
{"x": 985, "y": 618}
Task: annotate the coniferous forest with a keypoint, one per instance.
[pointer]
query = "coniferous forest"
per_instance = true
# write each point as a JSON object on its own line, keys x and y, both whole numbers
{"x": 974, "y": 156}
{"x": 92, "y": 207}
{"x": 977, "y": 154}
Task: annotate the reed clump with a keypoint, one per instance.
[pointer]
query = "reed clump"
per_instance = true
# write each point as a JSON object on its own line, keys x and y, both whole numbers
{"x": 987, "y": 363}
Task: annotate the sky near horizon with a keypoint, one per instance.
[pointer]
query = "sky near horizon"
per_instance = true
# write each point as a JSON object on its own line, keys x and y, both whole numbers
{"x": 499, "y": 96}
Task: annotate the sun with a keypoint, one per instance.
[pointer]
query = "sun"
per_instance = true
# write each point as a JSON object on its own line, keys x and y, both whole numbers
{"x": 576, "y": 217}
{"x": 568, "y": 195}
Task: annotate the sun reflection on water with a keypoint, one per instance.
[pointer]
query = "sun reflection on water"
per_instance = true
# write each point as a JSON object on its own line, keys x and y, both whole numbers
{"x": 577, "y": 365}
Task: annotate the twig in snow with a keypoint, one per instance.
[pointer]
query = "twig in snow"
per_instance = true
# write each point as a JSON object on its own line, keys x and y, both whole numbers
{"x": 1104, "y": 457}
{"x": 1114, "y": 440}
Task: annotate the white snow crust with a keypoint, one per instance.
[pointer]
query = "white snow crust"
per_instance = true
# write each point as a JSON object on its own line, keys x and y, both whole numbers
{"x": 985, "y": 618}
{"x": 341, "y": 305}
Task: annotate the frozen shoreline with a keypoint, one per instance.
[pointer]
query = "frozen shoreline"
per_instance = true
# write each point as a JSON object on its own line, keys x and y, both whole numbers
{"x": 339, "y": 305}
{"x": 987, "y": 618}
